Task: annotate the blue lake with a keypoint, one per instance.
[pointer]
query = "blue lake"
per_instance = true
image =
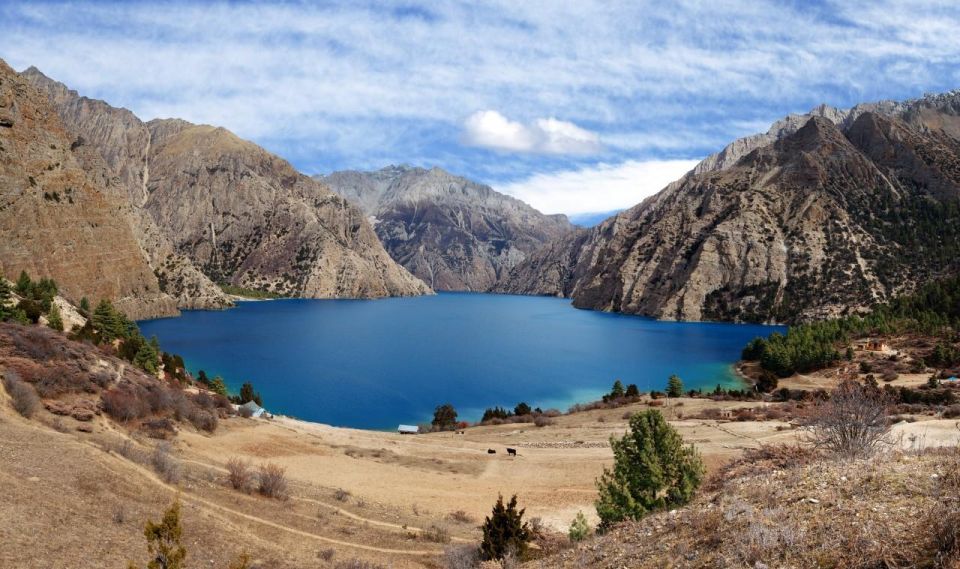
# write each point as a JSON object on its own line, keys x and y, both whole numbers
{"x": 376, "y": 363}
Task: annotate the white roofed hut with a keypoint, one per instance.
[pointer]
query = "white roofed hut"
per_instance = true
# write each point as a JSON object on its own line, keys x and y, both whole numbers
{"x": 408, "y": 429}
{"x": 250, "y": 409}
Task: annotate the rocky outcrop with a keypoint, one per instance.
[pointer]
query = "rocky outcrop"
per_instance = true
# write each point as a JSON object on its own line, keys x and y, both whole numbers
{"x": 452, "y": 233}
{"x": 845, "y": 210}
{"x": 61, "y": 215}
{"x": 210, "y": 207}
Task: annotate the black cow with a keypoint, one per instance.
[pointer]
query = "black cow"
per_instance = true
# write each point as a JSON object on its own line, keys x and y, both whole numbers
{"x": 491, "y": 451}
{"x": 511, "y": 452}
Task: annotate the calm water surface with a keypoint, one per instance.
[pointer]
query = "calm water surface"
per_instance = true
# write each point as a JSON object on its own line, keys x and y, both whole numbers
{"x": 374, "y": 364}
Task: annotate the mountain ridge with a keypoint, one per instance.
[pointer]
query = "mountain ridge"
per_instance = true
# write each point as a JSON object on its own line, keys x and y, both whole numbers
{"x": 453, "y": 233}
{"x": 210, "y": 207}
{"x": 761, "y": 220}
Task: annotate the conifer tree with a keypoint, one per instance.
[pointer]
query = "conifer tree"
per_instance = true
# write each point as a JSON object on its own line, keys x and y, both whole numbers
{"x": 617, "y": 390}
{"x": 579, "y": 528}
{"x": 504, "y": 531}
{"x": 248, "y": 394}
{"x": 24, "y": 284}
{"x": 674, "y": 386}
{"x": 444, "y": 417}
{"x": 85, "y": 305}
{"x": 218, "y": 386}
{"x": 54, "y": 318}
{"x": 110, "y": 322}
{"x": 652, "y": 470}
{"x": 146, "y": 358}
{"x": 163, "y": 541}
{"x": 5, "y": 311}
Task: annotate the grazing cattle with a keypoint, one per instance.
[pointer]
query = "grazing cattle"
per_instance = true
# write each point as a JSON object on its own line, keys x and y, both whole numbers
{"x": 512, "y": 452}
{"x": 491, "y": 451}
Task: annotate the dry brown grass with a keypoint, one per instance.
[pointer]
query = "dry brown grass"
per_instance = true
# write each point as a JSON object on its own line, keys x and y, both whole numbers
{"x": 790, "y": 507}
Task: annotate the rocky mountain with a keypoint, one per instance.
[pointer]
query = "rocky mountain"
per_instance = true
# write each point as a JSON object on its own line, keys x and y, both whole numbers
{"x": 210, "y": 208}
{"x": 61, "y": 215}
{"x": 453, "y": 233}
{"x": 824, "y": 214}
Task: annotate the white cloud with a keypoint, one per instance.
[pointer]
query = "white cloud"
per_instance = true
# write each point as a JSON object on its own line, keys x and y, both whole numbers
{"x": 604, "y": 187}
{"x": 490, "y": 129}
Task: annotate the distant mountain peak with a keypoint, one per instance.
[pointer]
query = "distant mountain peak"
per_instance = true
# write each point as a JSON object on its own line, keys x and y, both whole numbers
{"x": 453, "y": 233}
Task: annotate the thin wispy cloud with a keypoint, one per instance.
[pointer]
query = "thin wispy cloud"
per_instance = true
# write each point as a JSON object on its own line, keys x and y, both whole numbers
{"x": 335, "y": 85}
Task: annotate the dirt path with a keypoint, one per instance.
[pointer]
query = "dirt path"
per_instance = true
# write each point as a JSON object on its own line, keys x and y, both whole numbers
{"x": 186, "y": 496}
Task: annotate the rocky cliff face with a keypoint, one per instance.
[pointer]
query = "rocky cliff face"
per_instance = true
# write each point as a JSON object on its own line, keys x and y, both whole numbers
{"x": 121, "y": 141}
{"x": 210, "y": 207}
{"x": 61, "y": 213}
{"x": 829, "y": 216}
{"x": 452, "y": 233}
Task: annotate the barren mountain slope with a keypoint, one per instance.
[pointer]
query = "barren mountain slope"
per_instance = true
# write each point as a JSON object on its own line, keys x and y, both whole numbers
{"x": 123, "y": 142}
{"x": 452, "y": 233}
{"x": 215, "y": 208}
{"x": 821, "y": 220}
{"x": 61, "y": 214}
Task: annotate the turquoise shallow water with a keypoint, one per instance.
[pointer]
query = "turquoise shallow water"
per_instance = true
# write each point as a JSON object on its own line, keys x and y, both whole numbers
{"x": 376, "y": 363}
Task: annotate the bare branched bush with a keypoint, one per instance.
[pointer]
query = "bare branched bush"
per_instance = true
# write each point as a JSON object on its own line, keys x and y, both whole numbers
{"x": 852, "y": 422}
{"x": 22, "y": 395}
{"x": 239, "y": 474}
{"x": 461, "y": 516}
{"x": 341, "y": 495}
{"x": 273, "y": 481}
{"x": 461, "y": 557}
{"x": 326, "y": 554}
{"x": 542, "y": 421}
{"x": 124, "y": 405}
{"x": 127, "y": 450}
{"x": 203, "y": 419}
{"x": 165, "y": 464}
{"x": 437, "y": 533}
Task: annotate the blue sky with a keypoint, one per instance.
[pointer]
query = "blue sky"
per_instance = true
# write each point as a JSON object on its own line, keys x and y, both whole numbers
{"x": 573, "y": 106}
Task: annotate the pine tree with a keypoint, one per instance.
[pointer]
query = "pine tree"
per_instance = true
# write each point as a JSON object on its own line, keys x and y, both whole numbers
{"x": 579, "y": 528}
{"x": 85, "y": 305}
{"x": 5, "y": 311}
{"x": 674, "y": 386}
{"x": 617, "y": 390}
{"x": 522, "y": 409}
{"x": 163, "y": 541}
{"x": 110, "y": 322}
{"x": 147, "y": 358}
{"x": 504, "y": 531}
{"x": 54, "y": 318}
{"x": 633, "y": 390}
{"x": 248, "y": 394}
{"x": 218, "y": 386}
{"x": 24, "y": 284}
{"x": 652, "y": 470}
{"x": 444, "y": 417}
